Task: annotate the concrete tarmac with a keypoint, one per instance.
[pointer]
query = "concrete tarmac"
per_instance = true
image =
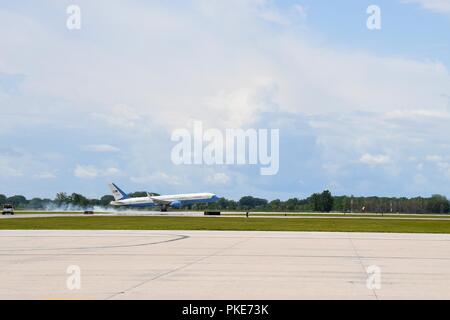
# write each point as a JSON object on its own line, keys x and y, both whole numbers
{"x": 222, "y": 265}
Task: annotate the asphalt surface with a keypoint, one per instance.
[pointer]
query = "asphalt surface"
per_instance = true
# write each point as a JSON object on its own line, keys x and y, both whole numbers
{"x": 223, "y": 265}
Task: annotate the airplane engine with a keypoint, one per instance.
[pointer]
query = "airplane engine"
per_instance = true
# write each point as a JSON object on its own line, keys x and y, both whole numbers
{"x": 175, "y": 204}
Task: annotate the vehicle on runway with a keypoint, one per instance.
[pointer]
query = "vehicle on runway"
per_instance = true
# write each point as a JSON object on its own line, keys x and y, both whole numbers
{"x": 8, "y": 209}
{"x": 163, "y": 202}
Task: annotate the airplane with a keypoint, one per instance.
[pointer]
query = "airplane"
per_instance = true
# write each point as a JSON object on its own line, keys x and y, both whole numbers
{"x": 164, "y": 202}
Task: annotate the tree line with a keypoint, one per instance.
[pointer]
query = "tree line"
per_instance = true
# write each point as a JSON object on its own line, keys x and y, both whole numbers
{"x": 317, "y": 202}
{"x": 326, "y": 202}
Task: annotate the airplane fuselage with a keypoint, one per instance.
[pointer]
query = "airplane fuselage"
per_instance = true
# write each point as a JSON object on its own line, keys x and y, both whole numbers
{"x": 176, "y": 200}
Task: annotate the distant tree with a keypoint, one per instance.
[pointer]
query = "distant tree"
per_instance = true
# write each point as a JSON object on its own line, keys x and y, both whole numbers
{"x": 138, "y": 194}
{"x": 249, "y": 202}
{"x": 94, "y": 202}
{"x": 62, "y": 198}
{"x": 291, "y": 204}
{"x": 3, "y": 199}
{"x": 232, "y": 205}
{"x": 438, "y": 204}
{"x": 275, "y": 205}
{"x": 17, "y": 201}
{"x": 316, "y": 202}
{"x": 321, "y": 202}
{"x": 222, "y": 203}
{"x": 36, "y": 203}
{"x": 105, "y": 200}
{"x": 79, "y": 200}
{"x": 327, "y": 201}
{"x": 46, "y": 202}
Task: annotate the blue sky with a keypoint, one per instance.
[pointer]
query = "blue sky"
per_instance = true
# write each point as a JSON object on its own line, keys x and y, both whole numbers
{"x": 359, "y": 112}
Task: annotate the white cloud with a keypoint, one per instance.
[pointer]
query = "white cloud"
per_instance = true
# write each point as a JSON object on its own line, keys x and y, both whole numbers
{"x": 301, "y": 10}
{"x": 85, "y": 172}
{"x": 218, "y": 178}
{"x": 441, "y": 163}
{"x": 443, "y": 167}
{"x": 45, "y": 175}
{"x": 434, "y": 158}
{"x": 100, "y": 148}
{"x": 111, "y": 172}
{"x": 120, "y": 116}
{"x": 90, "y": 172}
{"x": 225, "y": 66}
{"x": 148, "y": 89}
{"x": 440, "y": 6}
{"x": 16, "y": 162}
{"x": 158, "y": 177}
{"x": 370, "y": 159}
{"x": 417, "y": 114}
{"x": 275, "y": 17}
{"x": 8, "y": 170}
{"x": 285, "y": 18}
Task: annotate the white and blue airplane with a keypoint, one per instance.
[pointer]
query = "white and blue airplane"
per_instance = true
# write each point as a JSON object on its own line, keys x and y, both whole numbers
{"x": 164, "y": 202}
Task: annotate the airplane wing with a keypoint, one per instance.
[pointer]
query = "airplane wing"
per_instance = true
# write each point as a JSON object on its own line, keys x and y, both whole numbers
{"x": 160, "y": 201}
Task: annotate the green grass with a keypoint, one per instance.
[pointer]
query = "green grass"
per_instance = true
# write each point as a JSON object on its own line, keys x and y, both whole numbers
{"x": 334, "y": 215}
{"x": 277, "y": 214}
{"x": 218, "y": 223}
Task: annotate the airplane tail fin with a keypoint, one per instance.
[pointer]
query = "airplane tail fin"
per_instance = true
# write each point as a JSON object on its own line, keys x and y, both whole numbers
{"x": 117, "y": 192}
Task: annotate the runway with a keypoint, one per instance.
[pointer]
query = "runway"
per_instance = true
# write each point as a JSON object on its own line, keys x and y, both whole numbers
{"x": 271, "y": 215}
{"x": 222, "y": 265}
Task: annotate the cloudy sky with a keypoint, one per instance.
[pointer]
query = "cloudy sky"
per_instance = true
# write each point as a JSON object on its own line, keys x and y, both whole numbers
{"x": 363, "y": 112}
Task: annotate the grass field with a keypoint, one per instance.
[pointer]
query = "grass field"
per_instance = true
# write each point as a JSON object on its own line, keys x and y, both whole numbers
{"x": 276, "y": 214}
{"x": 217, "y": 223}
{"x": 356, "y": 215}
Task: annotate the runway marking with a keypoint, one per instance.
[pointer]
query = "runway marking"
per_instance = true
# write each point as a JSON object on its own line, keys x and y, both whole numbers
{"x": 174, "y": 270}
{"x": 180, "y": 237}
{"x": 362, "y": 265}
{"x": 223, "y": 255}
